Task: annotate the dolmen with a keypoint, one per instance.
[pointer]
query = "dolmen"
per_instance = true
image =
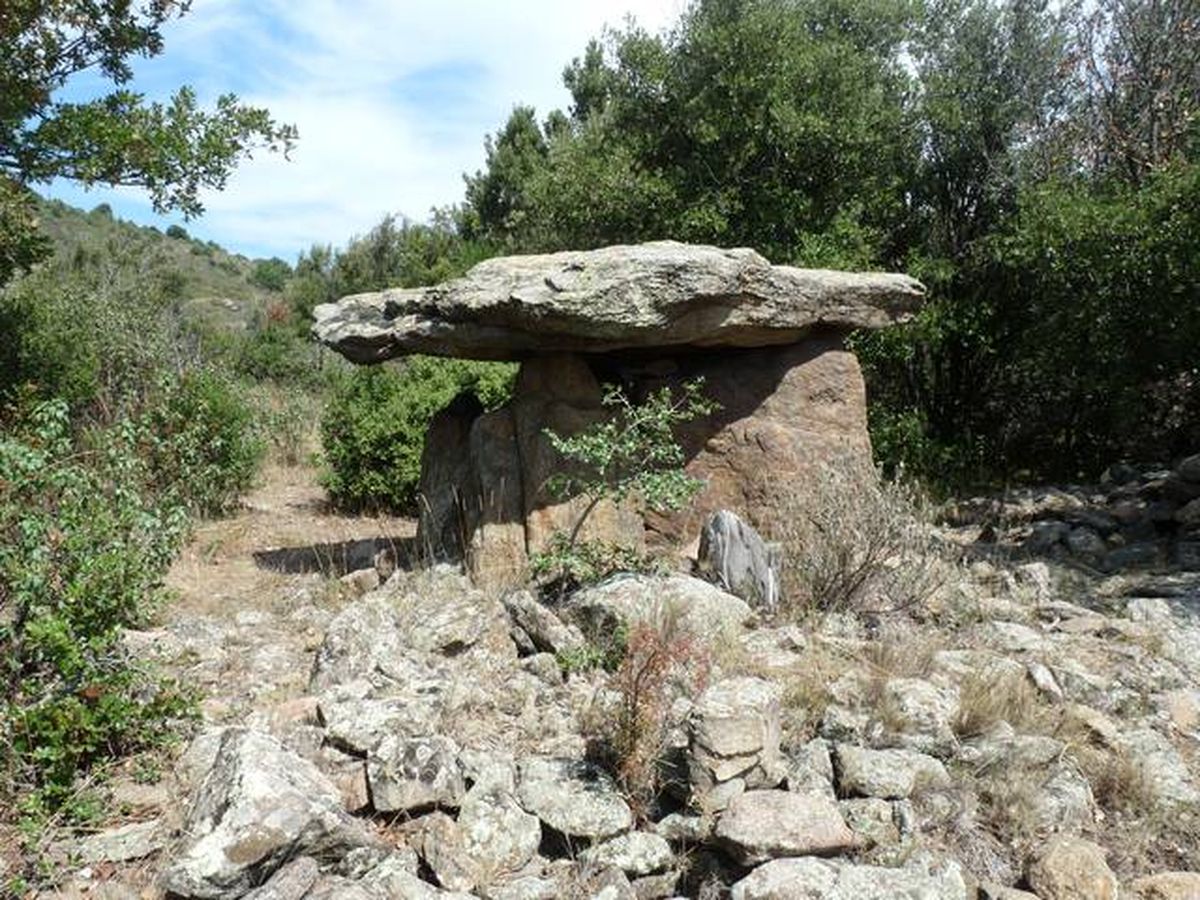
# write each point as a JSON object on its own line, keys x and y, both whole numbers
{"x": 769, "y": 342}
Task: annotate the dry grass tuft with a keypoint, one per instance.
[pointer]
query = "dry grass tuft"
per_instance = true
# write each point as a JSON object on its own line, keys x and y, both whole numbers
{"x": 852, "y": 543}
{"x": 987, "y": 699}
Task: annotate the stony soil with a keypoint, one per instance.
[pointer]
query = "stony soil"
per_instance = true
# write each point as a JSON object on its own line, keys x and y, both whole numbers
{"x": 1032, "y": 729}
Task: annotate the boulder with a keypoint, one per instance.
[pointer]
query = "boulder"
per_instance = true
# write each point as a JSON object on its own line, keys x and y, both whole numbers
{"x": 736, "y": 557}
{"x": 544, "y": 628}
{"x": 637, "y": 854}
{"x": 660, "y": 294}
{"x": 733, "y": 738}
{"x": 497, "y": 834}
{"x": 806, "y": 878}
{"x": 762, "y": 825}
{"x": 573, "y": 797}
{"x": 923, "y": 713}
{"x": 702, "y": 608}
{"x": 411, "y": 774}
{"x": 133, "y": 841}
{"x": 258, "y": 807}
{"x": 889, "y": 774}
{"x": 291, "y": 882}
{"x": 1072, "y": 869}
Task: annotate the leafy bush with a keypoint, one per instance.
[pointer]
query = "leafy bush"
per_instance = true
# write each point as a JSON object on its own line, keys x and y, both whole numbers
{"x": 96, "y": 338}
{"x": 565, "y": 565}
{"x": 632, "y": 453}
{"x": 83, "y": 548}
{"x": 271, "y": 274}
{"x": 373, "y": 430}
{"x": 201, "y": 442}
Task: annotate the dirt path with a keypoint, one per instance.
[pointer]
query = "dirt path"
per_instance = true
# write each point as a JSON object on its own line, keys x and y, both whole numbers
{"x": 255, "y": 591}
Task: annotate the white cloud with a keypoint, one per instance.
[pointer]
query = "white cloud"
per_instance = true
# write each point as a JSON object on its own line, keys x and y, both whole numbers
{"x": 387, "y": 122}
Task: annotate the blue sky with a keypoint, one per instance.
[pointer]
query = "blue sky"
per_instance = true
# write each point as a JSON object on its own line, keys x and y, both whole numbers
{"x": 392, "y": 99}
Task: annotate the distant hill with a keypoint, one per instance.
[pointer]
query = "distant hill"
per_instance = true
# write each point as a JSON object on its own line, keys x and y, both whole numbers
{"x": 210, "y": 282}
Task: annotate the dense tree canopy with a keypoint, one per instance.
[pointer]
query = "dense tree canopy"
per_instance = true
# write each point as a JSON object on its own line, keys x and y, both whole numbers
{"x": 1031, "y": 161}
{"x": 173, "y": 150}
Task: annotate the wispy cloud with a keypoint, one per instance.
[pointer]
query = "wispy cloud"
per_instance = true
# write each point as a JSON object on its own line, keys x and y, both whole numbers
{"x": 392, "y": 100}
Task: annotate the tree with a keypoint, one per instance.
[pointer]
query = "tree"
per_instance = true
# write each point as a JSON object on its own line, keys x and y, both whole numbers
{"x": 778, "y": 124}
{"x": 1138, "y": 84}
{"x": 172, "y": 150}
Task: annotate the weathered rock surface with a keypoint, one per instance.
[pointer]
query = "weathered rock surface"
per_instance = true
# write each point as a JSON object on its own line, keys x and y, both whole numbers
{"x": 409, "y": 774}
{"x": 736, "y": 557}
{"x": 572, "y": 797}
{"x": 661, "y": 294}
{"x": 762, "y": 825}
{"x": 1167, "y": 885}
{"x": 637, "y": 853}
{"x": 889, "y": 774}
{"x": 733, "y": 739}
{"x": 258, "y": 807}
{"x": 822, "y": 879}
{"x": 1072, "y": 869}
{"x": 702, "y": 608}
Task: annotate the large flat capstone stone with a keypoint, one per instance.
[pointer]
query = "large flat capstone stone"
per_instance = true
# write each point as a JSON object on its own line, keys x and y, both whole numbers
{"x": 655, "y": 295}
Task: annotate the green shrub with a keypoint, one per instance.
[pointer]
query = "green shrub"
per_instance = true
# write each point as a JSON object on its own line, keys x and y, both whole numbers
{"x": 373, "y": 430}
{"x": 270, "y": 274}
{"x": 83, "y": 549}
{"x": 201, "y": 441}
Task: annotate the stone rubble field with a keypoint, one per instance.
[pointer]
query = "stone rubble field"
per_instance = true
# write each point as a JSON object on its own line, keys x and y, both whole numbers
{"x": 1029, "y": 731}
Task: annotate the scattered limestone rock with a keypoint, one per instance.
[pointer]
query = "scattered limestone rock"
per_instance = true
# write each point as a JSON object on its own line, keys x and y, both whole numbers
{"x": 498, "y": 835}
{"x": 890, "y": 774}
{"x": 259, "y": 806}
{"x": 356, "y": 641}
{"x": 291, "y": 882}
{"x": 410, "y": 774}
{"x": 809, "y": 769}
{"x": 1166, "y": 885}
{"x": 358, "y": 724}
{"x": 637, "y": 854}
{"x": 762, "y": 825}
{"x": 733, "y": 733}
{"x": 1161, "y": 768}
{"x": 872, "y": 820}
{"x": 572, "y": 797}
{"x": 545, "y": 629}
{"x": 133, "y": 841}
{"x": 1072, "y": 869}
{"x": 806, "y": 878}
{"x": 922, "y": 712}
{"x": 990, "y": 891}
{"x": 703, "y": 608}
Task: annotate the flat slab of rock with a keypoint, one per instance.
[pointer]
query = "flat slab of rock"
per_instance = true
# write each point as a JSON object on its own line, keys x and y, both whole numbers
{"x": 806, "y": 878}
{"x": 733, "y": 739}
{"x": 572, "y": 797}
{"x": 763, "y": 825}
{"x": 659, "y": 294}
{"x": 133, "y": 841}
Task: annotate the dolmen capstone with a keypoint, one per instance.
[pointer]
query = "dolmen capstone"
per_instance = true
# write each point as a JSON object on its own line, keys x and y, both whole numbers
{"x": 769, "y": 342}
